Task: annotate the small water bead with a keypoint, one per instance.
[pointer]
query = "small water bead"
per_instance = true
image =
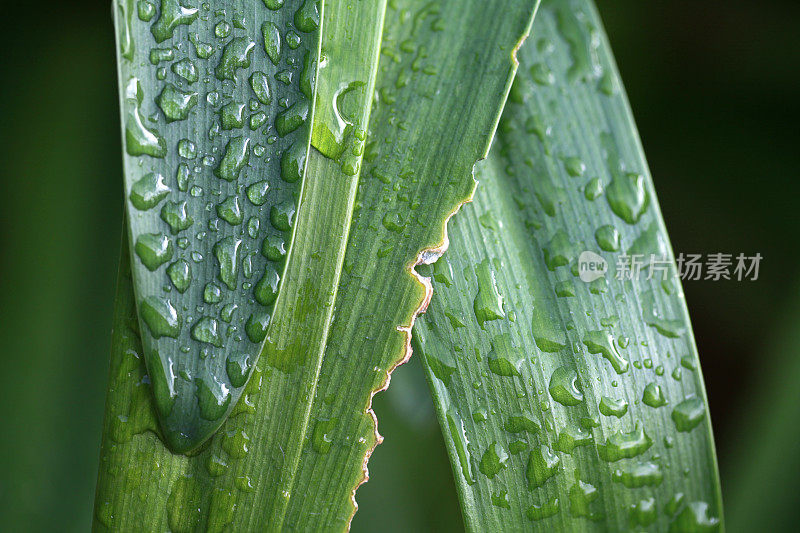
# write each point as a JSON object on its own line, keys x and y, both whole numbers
{"x": 256, "y": 121}
{"x": 635, "y": 475}
{"x": 488, "y": 303}
{"x": 611, "y": 407}
{"x": 292, "y": 118}
{"x": 519, "y": 423}
{"x": 212, "y": 98}
{"x": 145, "y": 10}
{"x": 148, "y": 191}
{"x": 493, "y": 461}
{"x": 185, "y": 69}
{"x": 153, "y": 249}
{"x": 574, "y": 166}
{"x": 260, "y": 85}
{"x": 559, "y": 251}
{"x": 160, "y": 316}
{"x": 266, "y": 290}
{"x": 505, "y": 359}
{"x": 542, "y": 74}
{"x": 542, "y": 465}
{"x": 500, "y": 499}
{"x": 176, "y": 215}
{"x": 207, "y": 330}
{"x": 627, "y": 196}
{"x": 180, "y": 273}
{"x": 257, "y": 192}
{"x": 625, "y": 445}
{"x": 237, "y": 155}
{"x": 213, "y": 398}
{"x": 306, "y": 19}
{"x": 564, "y": 386}
{"x": 644, "y": 512}
{"x": 274, "y": 4}
{"x": 196, "y": 191}
{"x": 256, "y": 326}
{"x": 183, "y": 176}
{"x": 653, "y": 396}
{"x": 695, "y": 518}
{"x": 185, "y": 502}
{"x": 293, "y": 162}
{"x": 545, "y": 510}
{"x": 173, "y": 14}
{"x": 232, "y": 116}
{"x": 238, "y": 366}
{"x": 274, "y": 247}
{"x": 293, "y": 39}
{"x": 593, "y": 189}
{"x": 222, "y": 29}
{"x": 227, "y": 252}
{"x": 458, "y": 435}
{"x": 607, "y": 238}
{"x": 140, "y": 140}
{"x": 281, "y": 216}
{"x": 688, "y": 414}
{"x": 157, "y": 55}
{"x": 321, "y": 438}
{"x": 212, "y": 293}
{"x": 259, "y": 150}
{"x": 581, "y": 496}
{"x": 235, "y": 55}
{"x": 570, "y": 438}
{"x": 602, "y": 342}
{"x": 187, "y": 150}
{"x": 230, "y": 211}
{"x": 272, "y": 41}
{"x": 517, "y": 446}
{"x": 215, "y": 465}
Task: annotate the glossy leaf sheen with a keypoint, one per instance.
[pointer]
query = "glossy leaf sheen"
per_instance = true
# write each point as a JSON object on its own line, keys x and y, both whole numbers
{"x": 567, "y": 405}
{"x": 214, "y": 144}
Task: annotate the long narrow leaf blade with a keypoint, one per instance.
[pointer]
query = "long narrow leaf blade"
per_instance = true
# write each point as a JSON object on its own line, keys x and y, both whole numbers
{"x": 569, "y": 399}
{"x": 214, "y": 103}
{"x": 444, "y": 74}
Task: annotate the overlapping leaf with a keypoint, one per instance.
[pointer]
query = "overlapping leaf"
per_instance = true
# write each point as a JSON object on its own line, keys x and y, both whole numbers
{"x": 570, "y": 397}
{"x": 214, "y": 105}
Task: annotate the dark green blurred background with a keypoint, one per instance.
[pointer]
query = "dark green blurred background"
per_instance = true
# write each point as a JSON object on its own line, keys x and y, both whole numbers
{"x": 714, "y": 86}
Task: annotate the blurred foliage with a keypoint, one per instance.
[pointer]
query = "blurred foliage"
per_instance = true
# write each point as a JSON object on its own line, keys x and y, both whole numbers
{"x": 714, "y": 88}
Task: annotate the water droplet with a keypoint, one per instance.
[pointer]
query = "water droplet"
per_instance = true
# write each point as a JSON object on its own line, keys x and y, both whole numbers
{"x": 625, "y": 445}
{"x": 161, "y": 317}
{"x": 564, "y": 386}
{"x": 634, "y": 475}
{"x": 207, "y": 330}
{"x": 688, "y": 414}
{"x": 488, "y": 304}
{"x": 153, "y": 249}
{"x": 505, "y": 359}
{"x": 612, "y": 407}
{"x": 601, "y": 342}
{"x": 228, "y": 255}
{"x": 493, "y": 461}
{"x": 236, "y": 54}
{"x": 148, "y": 191}
{"x": 542, "y": 465}
{"x": 653, "y": 395}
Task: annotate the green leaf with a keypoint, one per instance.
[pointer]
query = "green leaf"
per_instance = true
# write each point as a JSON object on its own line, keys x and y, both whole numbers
{"x": 215, "y": 137}
{"x": 291, "y": 455}
{"x": 567, "y": 404}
